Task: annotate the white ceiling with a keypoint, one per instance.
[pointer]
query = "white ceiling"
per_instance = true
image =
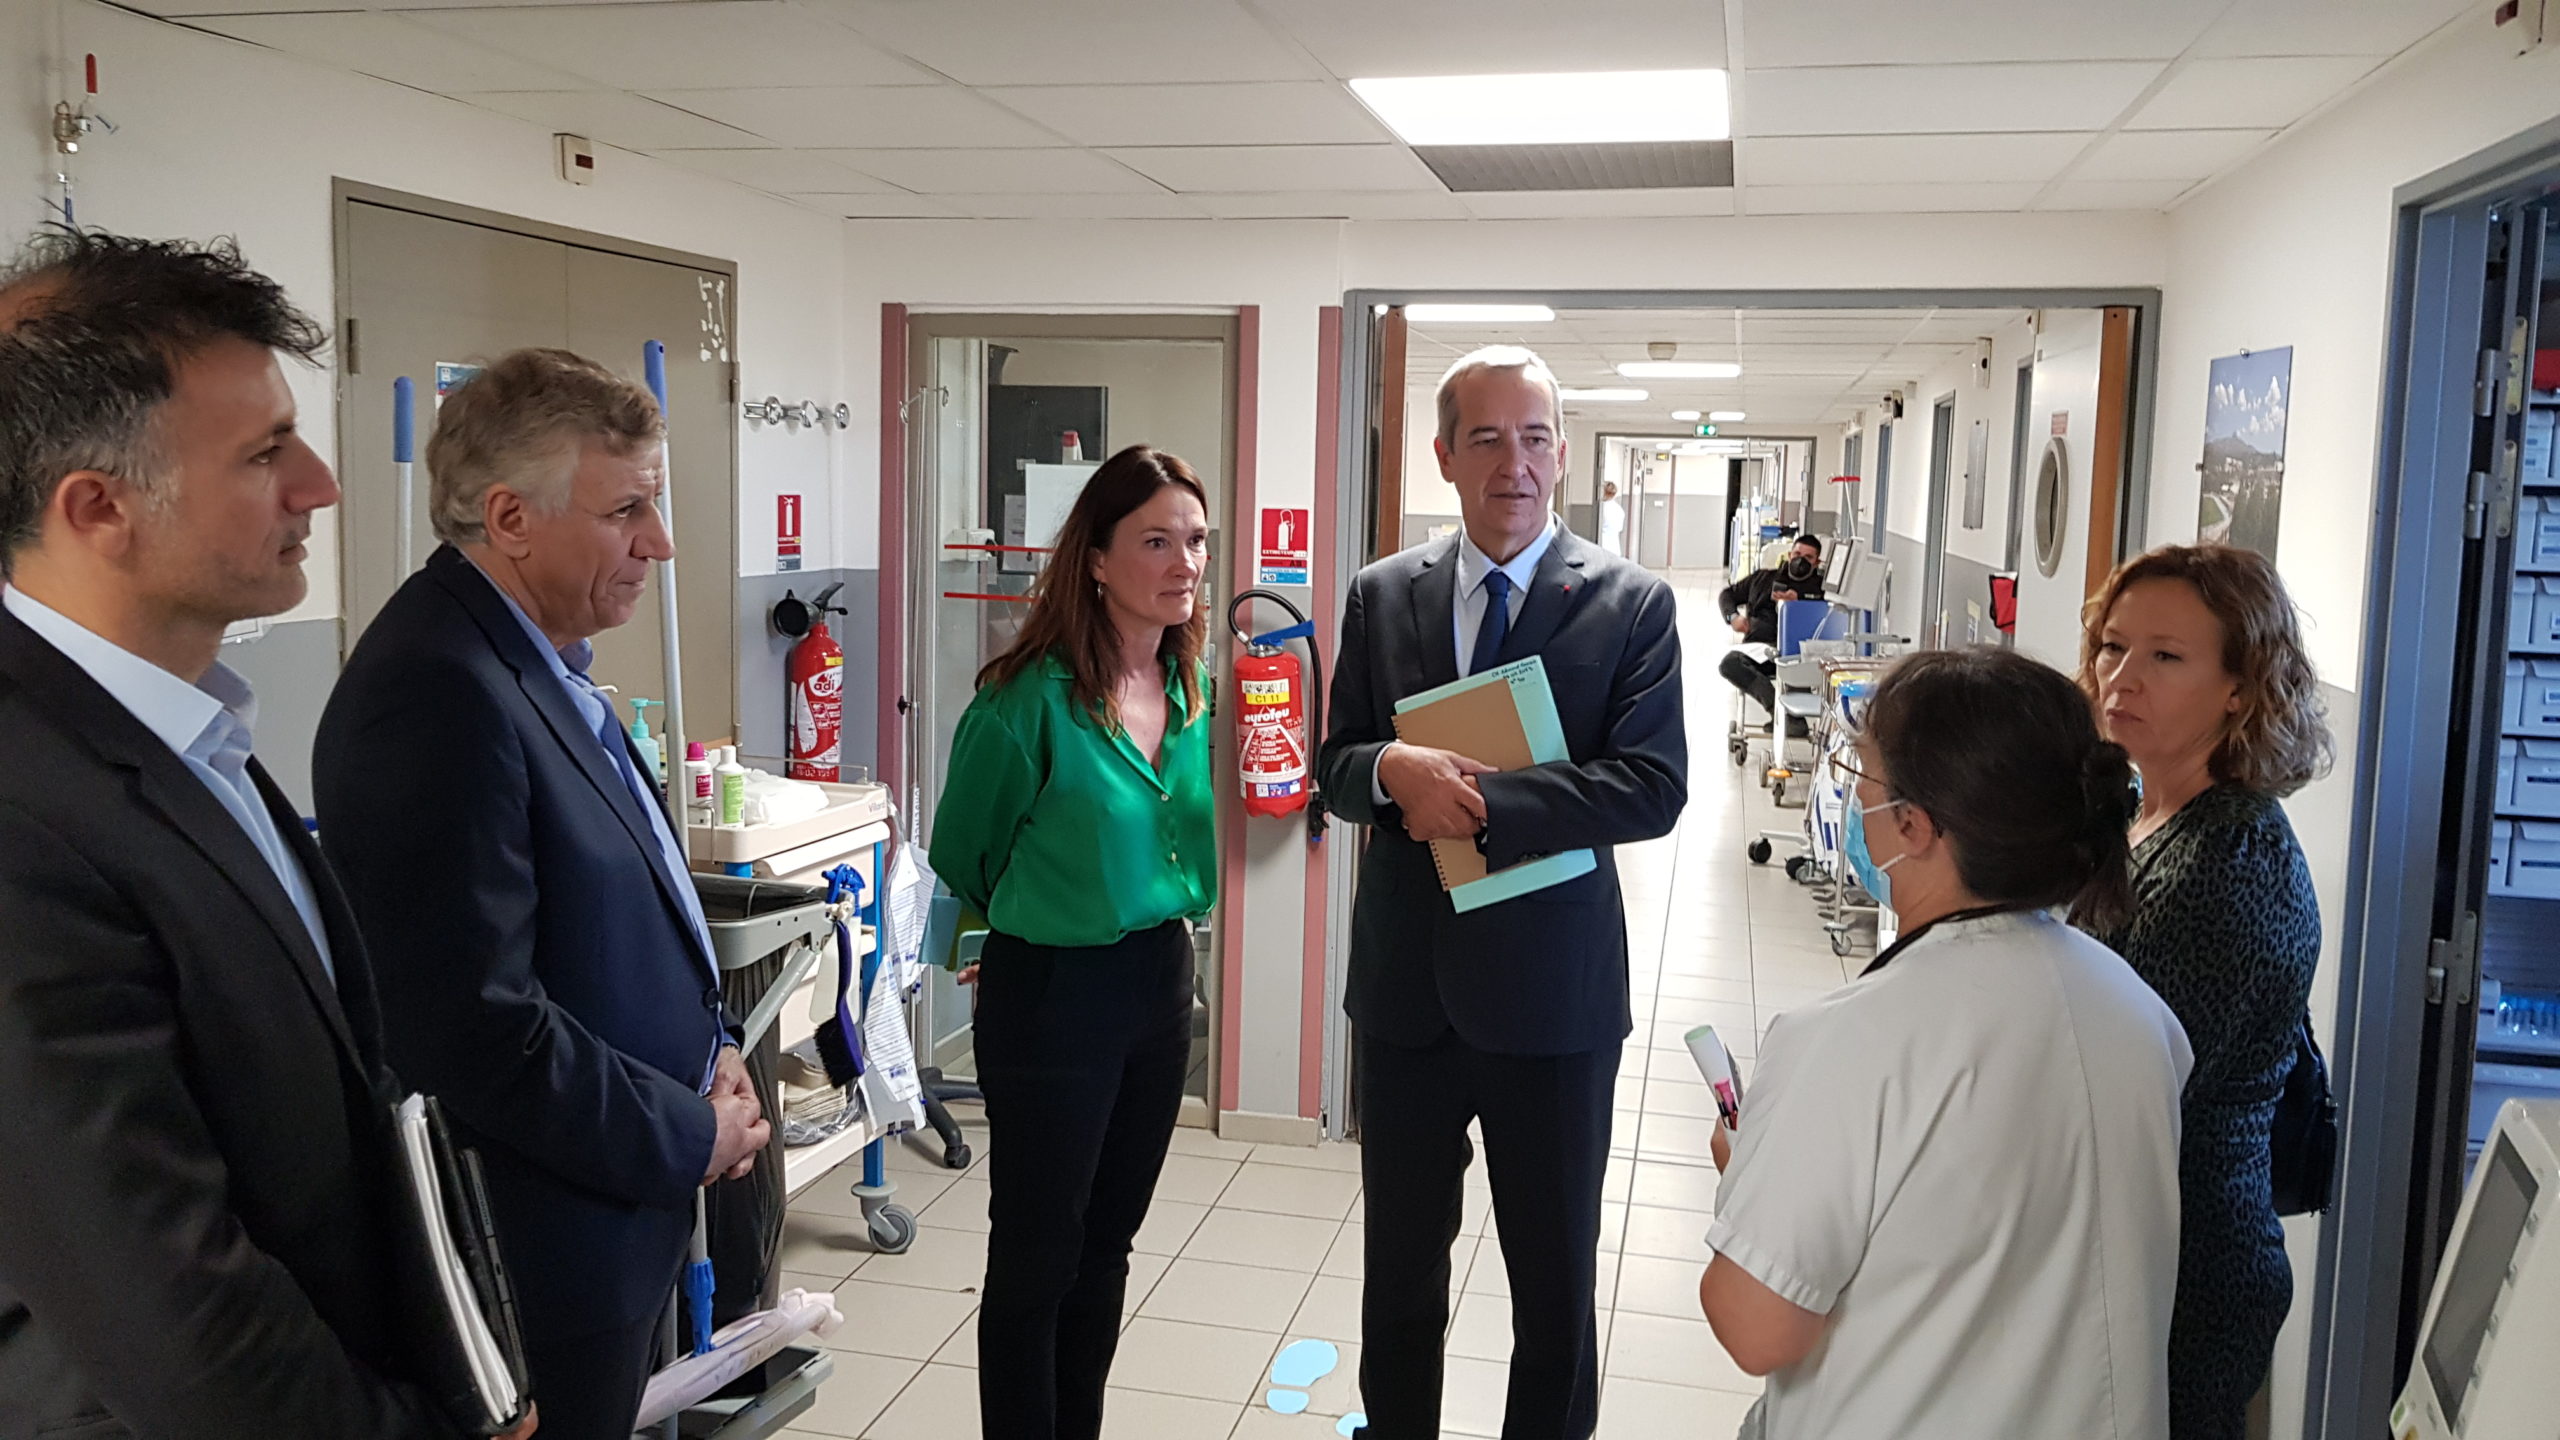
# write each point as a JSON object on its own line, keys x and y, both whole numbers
{"x": 1799, "y": 367}
{"x": 1236, "y": 108}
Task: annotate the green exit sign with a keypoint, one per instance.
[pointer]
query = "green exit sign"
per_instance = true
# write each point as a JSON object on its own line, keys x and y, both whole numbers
{"x": 1704, "y": 430}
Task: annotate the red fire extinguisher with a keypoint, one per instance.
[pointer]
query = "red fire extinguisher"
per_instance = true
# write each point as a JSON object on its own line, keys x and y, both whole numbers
{"x": 814, "y": 675}
{"x": 1279, "y": 717}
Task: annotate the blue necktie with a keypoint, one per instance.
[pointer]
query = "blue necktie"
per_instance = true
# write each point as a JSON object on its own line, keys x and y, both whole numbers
{"x": 1497, "y": 622}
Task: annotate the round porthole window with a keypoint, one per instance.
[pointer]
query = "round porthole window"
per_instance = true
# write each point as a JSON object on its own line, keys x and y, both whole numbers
{"x": 2053, "y": 505}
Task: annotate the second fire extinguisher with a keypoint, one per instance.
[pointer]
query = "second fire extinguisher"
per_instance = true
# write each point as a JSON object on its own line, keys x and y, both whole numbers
{"x": 1279, "y": 716}
{"x": 814, "y": 675}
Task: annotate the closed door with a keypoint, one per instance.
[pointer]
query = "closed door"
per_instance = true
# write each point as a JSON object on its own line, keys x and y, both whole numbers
{"x": 426, "y": 296}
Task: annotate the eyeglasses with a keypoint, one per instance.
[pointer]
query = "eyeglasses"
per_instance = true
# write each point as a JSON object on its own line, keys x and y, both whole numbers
{"x": 1842, "y": 769}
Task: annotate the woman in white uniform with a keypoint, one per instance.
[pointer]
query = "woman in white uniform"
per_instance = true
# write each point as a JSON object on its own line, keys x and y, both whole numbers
{"x": 1951, "y": 1207}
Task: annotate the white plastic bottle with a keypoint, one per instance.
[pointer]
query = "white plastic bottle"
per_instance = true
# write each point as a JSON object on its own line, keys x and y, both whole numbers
{"x": 701, "y": 802}
{"x": 733, "y": 787}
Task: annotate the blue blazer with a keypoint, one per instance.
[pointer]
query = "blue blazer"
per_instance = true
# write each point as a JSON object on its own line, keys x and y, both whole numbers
{"x": 538, "y": 972}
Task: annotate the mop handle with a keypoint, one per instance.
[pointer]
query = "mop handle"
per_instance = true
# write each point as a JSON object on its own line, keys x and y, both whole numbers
{"x": 404, "y": 451}
{"x": 653, "y": 364}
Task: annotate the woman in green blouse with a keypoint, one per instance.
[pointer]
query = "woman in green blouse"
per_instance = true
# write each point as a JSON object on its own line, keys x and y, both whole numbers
{"x": 1077, "y": 818}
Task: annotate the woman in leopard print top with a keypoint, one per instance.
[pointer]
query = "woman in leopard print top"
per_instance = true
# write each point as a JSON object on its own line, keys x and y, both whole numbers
{"x": 2195, "y": 660}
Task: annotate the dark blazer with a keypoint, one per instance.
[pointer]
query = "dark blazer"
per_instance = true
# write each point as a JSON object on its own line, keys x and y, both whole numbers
{"x": 538, "y": 972}
{"x": 1546, "y": 973}
{"x": 197, "y": 1234}
{"x": 1756, "y": 595}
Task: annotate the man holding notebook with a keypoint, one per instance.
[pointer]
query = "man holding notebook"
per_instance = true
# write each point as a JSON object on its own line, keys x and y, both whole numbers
{"x": 1510, "y": 1013}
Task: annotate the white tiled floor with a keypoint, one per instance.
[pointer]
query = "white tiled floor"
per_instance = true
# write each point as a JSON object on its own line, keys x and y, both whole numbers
{"x": 1250, "y": 1247}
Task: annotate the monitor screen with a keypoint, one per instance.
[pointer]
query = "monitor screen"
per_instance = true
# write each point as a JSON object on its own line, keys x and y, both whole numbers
{"x": 2452, "y": 1351}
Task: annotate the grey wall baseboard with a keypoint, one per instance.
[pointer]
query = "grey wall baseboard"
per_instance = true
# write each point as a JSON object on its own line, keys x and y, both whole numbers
{"x": 292, "y": 668}
{"x": 763, "y": 653}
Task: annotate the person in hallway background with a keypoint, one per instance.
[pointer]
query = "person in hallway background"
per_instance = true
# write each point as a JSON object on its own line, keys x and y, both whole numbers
{"x": 1511, "y": 1015}
{"x": 199, "y": 1234}
{"x": 1078, "y": 817}
{"x": 544, "y": 960}
{"x": 2194, "y": 657}
{"x": 1951, "y": 1209}
{"x": 1613, "y": 520}
{"x": 1751, "y": 603}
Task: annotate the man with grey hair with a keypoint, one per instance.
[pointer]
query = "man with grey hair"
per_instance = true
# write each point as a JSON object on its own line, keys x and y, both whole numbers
{"x": 199, "y": 1235}
{"x": 1510, "y": 1015}
{"x": 543, "y": 955}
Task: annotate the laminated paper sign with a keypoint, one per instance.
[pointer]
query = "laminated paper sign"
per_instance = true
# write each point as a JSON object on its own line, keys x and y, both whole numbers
{"x": 1286, "y": 547}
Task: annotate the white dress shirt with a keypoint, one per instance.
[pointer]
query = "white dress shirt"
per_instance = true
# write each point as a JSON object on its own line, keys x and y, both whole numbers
{"x": 206, "y": 725}
{"x": 1474, "y": 567}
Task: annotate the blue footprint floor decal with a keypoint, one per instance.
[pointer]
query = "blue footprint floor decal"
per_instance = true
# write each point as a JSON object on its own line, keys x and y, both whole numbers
{"x": 1300, "y": 1364}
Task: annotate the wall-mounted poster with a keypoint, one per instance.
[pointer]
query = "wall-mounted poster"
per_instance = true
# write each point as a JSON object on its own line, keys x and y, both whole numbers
{"x": 2243, "y": 471}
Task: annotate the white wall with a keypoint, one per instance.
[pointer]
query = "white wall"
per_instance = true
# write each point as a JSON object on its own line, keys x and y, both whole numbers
{"x": 2295, "y": 249}
{"x": 223, "y": 138}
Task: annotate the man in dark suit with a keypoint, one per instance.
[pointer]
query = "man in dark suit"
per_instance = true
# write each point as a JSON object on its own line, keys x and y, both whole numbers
{"x": 544, "y": 961}
{"x": 200, "y": 1234}
{"x": 1511, "y": 1015}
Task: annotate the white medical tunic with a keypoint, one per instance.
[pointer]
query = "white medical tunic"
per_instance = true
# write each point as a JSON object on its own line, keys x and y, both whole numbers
{"x": 1968, "y": 1161}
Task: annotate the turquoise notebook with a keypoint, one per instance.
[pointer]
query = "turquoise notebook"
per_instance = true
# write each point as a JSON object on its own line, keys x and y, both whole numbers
{"x": 1506, "y": 718}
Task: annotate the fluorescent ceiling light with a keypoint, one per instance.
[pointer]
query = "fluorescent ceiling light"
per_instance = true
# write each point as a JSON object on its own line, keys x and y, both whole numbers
{"x": 1680, "y": 370}
{"x": 1612, "y": 396}
{"x": 1479, "y": 314}
{"x": 1728, "y": 417}
{"x": 1598, "y": 108}
{"x": 1684, "y": 415}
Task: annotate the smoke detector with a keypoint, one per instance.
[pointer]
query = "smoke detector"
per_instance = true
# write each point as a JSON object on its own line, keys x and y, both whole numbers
{"x": 1661, "y": 349}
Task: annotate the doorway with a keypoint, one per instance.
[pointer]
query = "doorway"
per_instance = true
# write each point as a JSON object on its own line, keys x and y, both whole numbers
{"x": 1933, "y": 575}
{"x": 431, "y": 291}
{"x": 2450, "y": 1002}
{"x": 1011, "y": 414}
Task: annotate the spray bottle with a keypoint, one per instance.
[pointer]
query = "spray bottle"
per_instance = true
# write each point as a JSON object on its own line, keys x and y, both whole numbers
{"x": 701, "y": 804}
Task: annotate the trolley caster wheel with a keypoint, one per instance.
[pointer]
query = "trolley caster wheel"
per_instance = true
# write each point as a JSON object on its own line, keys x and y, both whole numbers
{"x": 1840, "y": 945}
{"x": 1759, "y": 851}
{"x": 955, "y": 1157}
{"x": 892, "y": 1229}
{"x": 1795, "y": 868}
{"x": 1739, "y": 751}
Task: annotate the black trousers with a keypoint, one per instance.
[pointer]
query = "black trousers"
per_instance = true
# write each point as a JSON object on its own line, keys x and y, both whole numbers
{"x": 1545, "y": 1120}
{"x": 1081, "y": 1053}
{"x": 1755, "y": 678}
{"x": 587, "y": 1387}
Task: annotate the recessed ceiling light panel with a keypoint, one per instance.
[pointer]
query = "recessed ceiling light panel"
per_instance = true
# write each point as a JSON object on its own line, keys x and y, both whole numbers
{"x": 1728, "y": 417}
{"x": 1684, "y": 415}
{"x": 1680, "y": 370}
{"x": 1479, "y": 314}
{"x": 1592, "y": 108}
{"x": 1605, "y": 395}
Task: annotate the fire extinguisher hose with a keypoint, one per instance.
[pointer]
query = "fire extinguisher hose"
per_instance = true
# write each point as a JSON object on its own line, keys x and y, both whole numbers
{"x": 1304, "y": 630}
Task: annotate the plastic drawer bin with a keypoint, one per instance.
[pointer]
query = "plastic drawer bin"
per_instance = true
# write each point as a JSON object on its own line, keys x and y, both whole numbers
{"x": 2520, "y": 598}
{"x": 2511, "y": 699}
{"x": 2537, "y": 778}
{"x": 2505, "y": 796}
{"x": 2541, "y": 446}
{"x": 2546, "y": 615}
{"x": 2533, "y": 862}
{"x": 2541, "y": 517}
{"x": 2539, "y": 713}
{"x": 2502, "y": 834}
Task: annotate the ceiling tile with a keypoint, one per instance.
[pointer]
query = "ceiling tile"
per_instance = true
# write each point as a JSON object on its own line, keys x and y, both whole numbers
{"x": 2168, "y": 154}
{"x": 1007, "y": 42}
{"x": 901, "y": 117}
{"x": 1882, "y": 199}
{"x": 1332, "y": 205}
{"x": 707, "y": 44}
{"x": 390, "y": 47}
{"x": 611, "y": 117}
{"x": 894, "y": 206}
{"x": 783, "y": 172}
{"x": 1263, "y": 168}
{"x": 1151, "y": 205}
{"x": 1298, "y": 112}
{"x": 1362, "y": 38}
{"x": 1924, "y": 99}
{"x": 1789, "y": 33}
{"x": 1609, "y": 204}
{"x": 1922, "y": 159}
{"x": 2115, "y": 194}
{"x": 994, "y": 172}
{"x": 2234, "y": 94}
{"x": 186, "y": 8}
{"x": 2328, "y": 27}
